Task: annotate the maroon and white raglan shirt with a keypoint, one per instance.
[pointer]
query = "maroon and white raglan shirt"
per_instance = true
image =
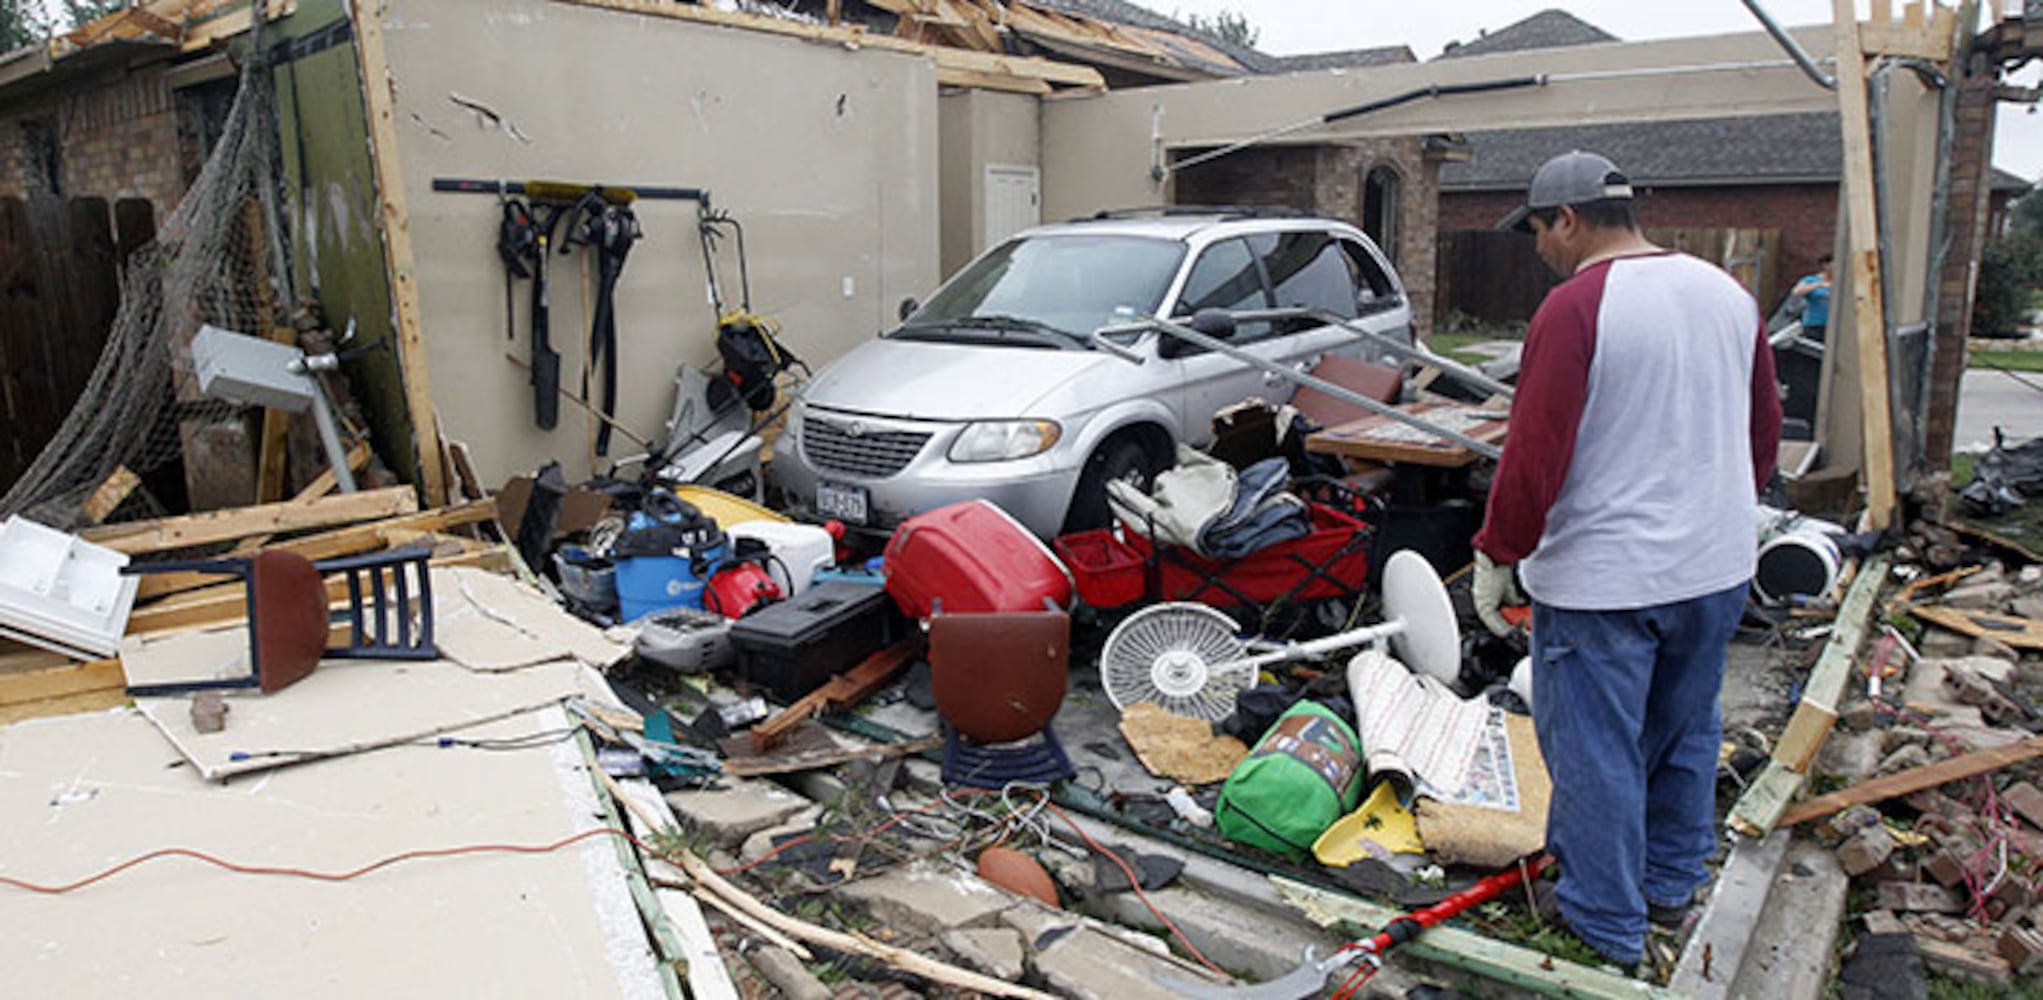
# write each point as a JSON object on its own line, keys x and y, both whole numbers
{"x": 1645, "y": 421}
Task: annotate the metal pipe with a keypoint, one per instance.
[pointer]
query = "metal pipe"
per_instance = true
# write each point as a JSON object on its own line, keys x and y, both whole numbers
{"x": 1793, "y": 48}
{"x": 1342, "y": 393}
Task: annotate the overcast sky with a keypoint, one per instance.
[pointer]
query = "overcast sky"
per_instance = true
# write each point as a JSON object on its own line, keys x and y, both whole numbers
{"x": 1290, "y": 27}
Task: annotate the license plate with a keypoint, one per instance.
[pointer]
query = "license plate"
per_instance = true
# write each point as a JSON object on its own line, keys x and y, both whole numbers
{"x": 845, "y": 503}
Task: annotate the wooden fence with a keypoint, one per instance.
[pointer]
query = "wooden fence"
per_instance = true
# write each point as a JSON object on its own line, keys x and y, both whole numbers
{"x": 1495, "y": 277}
{"x": 59, "y": 289}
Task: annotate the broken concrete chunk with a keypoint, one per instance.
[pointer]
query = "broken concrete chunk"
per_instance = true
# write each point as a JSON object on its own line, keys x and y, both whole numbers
{"x": 996, "y": 951}
{"x": 926, "y": 898}
{"x": 2030, "y": 607}
{"x": 1883, "y": 922}
{"x": 1939, "y": 643}
{"x": 1091, "y": 965}
{"x": 789, "y": 977}
{"x": 728, "y": 815}
{"x": 1866, "y": 850}
{"x": 1920, "y": 897}
{"x": 1987, "y": 645}
{"x": 1960, "y": 962}
{"x": 2027, "y": 802}
{"x": 2022, "y": 949}
{"x": 1911, "y": 756}
{"x": 1989, "y": 595}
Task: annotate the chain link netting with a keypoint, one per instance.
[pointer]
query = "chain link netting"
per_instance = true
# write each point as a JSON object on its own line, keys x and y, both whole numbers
{"x": 210, "y": 263}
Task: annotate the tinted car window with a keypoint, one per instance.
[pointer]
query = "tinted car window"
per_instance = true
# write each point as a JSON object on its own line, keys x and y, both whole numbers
{"x": 1225, "y": 277}
{"x": 1076, "y": 284}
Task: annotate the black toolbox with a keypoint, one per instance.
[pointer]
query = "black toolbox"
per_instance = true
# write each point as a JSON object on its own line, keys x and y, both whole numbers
{"x": 791, "y": 647}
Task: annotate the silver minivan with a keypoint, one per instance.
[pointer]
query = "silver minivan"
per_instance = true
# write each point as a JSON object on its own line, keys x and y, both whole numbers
{"x": 996, "y": 388}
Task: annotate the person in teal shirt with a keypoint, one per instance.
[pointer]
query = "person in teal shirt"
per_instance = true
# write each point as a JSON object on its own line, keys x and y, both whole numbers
{"x": 1815, "y": 293}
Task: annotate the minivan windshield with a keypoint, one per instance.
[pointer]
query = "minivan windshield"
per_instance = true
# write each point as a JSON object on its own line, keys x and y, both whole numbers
{"x": 1054, "y": 289}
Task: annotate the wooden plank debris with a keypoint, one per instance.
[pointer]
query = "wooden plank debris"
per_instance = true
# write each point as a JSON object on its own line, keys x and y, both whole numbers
{"x": 339, "y": 542}
{"x": 841, "y": 691}
{"x": 1760, "y": 808}
{"x": 379, "y": 98}
{"x": 1916, "y": 779}
{"x": 116, "y": 487}
{"x": 2021, "y": 633}
{"x": 207, "y": 527}
{"x": 1868, "y": 309}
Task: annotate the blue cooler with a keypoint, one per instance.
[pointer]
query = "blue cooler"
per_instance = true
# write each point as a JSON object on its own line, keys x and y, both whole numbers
{"x": 664, "y": 556}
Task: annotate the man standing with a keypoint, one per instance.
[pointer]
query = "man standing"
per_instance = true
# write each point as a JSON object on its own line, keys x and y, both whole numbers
{"x": 1645, "y": 421}
{"x": 1815, "y": 293}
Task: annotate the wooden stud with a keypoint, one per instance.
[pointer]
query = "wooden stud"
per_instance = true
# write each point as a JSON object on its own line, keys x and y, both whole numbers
{"x": 1869, "y": 312}
{"x": 328, "y": 545}
{"x": 1916, "y": 779}
{"x": 379, "y": 99}
{"x": 1759, "y": 810}
{"x": 121, "y": 482}
{"x": 211, "y": 526}
{"x": 991, "y": 81}
{"x": 1807, "y": 729}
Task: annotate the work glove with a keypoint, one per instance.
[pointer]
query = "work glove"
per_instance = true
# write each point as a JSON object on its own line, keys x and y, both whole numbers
{"x": 1493, "y": 588}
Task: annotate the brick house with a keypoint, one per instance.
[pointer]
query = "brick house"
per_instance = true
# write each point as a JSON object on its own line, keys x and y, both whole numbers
{"x": 1777, "y": 172}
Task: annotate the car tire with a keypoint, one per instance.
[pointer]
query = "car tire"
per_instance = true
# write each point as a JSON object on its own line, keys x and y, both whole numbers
{"x": 1121, "y": 458}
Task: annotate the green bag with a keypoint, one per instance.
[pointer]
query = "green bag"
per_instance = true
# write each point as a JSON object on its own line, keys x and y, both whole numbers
{"x": 1304, "y": 774}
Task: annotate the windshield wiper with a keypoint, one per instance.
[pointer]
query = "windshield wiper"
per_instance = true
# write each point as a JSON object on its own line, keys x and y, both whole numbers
{"x": 1003, "y": 321}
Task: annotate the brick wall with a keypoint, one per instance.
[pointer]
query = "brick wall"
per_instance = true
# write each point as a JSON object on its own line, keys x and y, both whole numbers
{"x": 116, "y": 137}
{"x": 1969, "y": 205}
{"x": 1328, "y": 180}
{"x": 1806, "y": 215}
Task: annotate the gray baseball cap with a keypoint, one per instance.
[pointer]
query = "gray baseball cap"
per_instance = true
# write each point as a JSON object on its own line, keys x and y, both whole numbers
{"x": 1568, "y": 179}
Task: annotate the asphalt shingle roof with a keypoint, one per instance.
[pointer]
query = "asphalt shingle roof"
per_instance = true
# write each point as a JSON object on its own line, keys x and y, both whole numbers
{"x": 1348, "y": 59}
{"x": 1548, "y": 29}
{"x": 1122, "y": 12}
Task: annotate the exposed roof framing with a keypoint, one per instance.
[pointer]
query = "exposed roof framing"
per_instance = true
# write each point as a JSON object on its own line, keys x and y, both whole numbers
{"x": 954, "y": 66}
{"x": 996, "y": 26}
{"x": 186, "y": 25}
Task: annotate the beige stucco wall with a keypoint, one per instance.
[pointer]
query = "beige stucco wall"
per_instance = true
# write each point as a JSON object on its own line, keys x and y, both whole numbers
{"x": 1098, "y": 150}
{"x": 979, "y": 128}
{"x": 826, "y": 155}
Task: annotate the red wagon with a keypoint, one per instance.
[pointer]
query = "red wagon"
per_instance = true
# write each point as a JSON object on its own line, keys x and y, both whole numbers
{"x": 1332, "y": 561}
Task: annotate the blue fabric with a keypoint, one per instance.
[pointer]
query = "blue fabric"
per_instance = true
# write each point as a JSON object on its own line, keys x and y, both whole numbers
{"x": 1626, "y": 706}
{"x": 1261, "y": 515}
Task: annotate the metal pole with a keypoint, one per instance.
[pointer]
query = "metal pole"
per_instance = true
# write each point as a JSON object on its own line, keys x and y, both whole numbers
{"x": 1794, "y": 48}
{"x": 1338, "y": 392}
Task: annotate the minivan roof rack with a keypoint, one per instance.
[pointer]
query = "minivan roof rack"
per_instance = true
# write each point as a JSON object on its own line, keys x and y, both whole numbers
{"x": 1224, "y": 211}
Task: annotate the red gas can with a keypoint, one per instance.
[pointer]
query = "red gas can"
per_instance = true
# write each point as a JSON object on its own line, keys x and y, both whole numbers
{"x": 739, "y": 587}
{"x": 972, "y": 557}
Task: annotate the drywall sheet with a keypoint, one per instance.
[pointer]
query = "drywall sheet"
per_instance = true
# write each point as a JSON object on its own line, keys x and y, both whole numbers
{"x": 487, "y": 621}
{"x": 350, "y": 705}
{"x": 208, "y": 654}
{"x": 85, "y": 792}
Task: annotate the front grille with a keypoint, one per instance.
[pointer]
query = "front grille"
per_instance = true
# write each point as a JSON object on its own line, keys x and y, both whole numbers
{"x": 832, "y": 448}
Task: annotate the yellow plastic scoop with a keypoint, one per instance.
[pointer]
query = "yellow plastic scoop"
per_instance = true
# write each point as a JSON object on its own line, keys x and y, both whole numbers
{"x": 1379, "y": 828}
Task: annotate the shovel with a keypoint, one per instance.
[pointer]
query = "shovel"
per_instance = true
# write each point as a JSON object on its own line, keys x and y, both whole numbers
{"x": 1311, "y": 977}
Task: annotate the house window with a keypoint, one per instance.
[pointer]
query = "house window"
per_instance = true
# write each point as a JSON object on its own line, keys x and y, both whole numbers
{"x": 1380, "y": 209}
{"x": 39, "y": 143}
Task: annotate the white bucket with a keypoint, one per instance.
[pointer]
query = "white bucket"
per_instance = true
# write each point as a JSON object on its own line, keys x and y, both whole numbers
{"x": 800, "y": 551}
{"x": 1802, "y": 561}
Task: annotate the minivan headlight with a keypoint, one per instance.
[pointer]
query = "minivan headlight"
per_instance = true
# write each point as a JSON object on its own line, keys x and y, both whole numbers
{"x": 1003, "y": 440}
{"x": 795, "y": 409}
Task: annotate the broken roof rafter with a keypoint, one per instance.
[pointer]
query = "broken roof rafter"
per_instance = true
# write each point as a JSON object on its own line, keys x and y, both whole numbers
{"x": 955, "y": 66}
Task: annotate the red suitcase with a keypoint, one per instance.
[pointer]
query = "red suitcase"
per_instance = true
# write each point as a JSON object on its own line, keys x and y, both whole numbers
{"x": 973, "y": 557}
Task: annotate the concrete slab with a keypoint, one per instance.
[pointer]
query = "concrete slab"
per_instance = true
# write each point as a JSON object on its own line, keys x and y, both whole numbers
{"x": 1715, "y": 950}
{"x": 1239, "y": 938}
{"x": 926, "y": 898}
{"x": 730, "y": 814}
{"x": 1089, "y": 965}
{"x": 1796, "y": 934}
{"x": 995, "y": 951}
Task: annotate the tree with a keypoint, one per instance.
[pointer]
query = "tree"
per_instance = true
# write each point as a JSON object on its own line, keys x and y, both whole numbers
{"x": 2010, "y": 272}
{"x": 1227, "y": 26}
{"x": 20, "y": 24}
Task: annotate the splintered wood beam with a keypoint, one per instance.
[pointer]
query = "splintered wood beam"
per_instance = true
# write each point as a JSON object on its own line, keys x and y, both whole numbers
{"x": 207, "y": 527}
{"x": 1759, "y": 810}
{"x": 1869, "y": 310}
{"x": 1916, "y": 779}
{"x": 991, "y": 81}
{"x": 379, "y": 99}
{"x": 1048, "y": 70}
{"x": 118, "y": 484}
{"x": 331, "y": 544}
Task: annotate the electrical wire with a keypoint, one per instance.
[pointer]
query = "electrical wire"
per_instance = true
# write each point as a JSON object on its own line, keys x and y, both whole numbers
{"x": 529, "y": 741}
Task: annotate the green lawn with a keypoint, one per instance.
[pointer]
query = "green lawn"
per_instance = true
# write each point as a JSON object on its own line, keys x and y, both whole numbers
{"x": 1451, "y": 344}
{"x": 2015, "y": 361}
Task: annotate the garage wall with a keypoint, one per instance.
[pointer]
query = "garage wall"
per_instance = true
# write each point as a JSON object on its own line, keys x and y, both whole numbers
{"x": 826, "y": 156}
{"x": 980, "y": 128}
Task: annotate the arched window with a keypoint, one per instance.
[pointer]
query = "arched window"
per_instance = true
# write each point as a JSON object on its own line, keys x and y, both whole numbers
{"x": 1380, "y": 209}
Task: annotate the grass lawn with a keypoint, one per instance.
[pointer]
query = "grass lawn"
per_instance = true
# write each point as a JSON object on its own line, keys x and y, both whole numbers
{"x": 1452, "y": 344}
{"x": 2014, "y": 361}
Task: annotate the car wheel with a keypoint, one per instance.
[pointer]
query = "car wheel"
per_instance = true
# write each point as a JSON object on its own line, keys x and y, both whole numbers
{"x": 1123, "y": 459}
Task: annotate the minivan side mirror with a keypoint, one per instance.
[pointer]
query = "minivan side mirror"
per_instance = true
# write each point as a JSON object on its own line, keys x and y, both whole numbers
{"x": 907, "y": 308}
{"x": 1215, "y": 323}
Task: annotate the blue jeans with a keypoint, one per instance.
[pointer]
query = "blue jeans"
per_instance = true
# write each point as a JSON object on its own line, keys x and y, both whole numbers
{"x": 1626, "y": 706}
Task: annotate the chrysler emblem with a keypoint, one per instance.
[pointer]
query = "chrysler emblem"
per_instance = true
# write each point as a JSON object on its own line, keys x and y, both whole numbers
{"x": 855, "y": 428}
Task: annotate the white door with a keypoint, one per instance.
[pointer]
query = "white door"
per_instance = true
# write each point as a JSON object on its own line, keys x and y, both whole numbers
{"x": 1013, "y": 202}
